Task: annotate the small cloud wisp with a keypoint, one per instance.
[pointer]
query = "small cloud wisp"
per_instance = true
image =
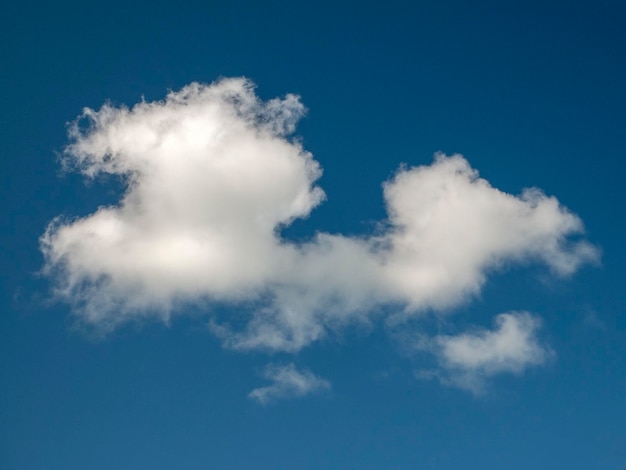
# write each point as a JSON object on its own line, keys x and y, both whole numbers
{"x": 288, "y": 382}
{"x": 467, "y": 360}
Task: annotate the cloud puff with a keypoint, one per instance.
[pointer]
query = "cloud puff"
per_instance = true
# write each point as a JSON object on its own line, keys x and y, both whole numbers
{"x": 288, "y": 382}
{"x": 212, "y": 175}
{"x": 468, "y": 359}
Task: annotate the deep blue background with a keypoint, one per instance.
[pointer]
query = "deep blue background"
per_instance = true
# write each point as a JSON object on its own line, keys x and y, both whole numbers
{"x": 532, "y": 93}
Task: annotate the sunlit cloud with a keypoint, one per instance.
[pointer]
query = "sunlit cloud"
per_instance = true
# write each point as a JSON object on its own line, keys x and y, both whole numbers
{"x": 213, "y": 174}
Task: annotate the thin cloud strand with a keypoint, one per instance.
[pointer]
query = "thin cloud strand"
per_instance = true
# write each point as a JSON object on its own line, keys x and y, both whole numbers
{"x": 288, "y": 382}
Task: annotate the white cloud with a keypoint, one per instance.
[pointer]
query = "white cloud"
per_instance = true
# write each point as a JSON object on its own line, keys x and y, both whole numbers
{"x": 212, "y": 175}
{"x": 288, "y": 382}
{"x": 210, "y": 178}
{"x": 468, "y": 359}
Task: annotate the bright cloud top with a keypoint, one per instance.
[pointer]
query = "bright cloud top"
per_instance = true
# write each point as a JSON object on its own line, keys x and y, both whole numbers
{"x": 212, "y": 175}
{"x": 468, "y": 359}
{"x": 288, "y": 382}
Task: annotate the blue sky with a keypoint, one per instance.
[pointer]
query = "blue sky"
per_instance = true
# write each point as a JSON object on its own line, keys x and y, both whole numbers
{"x": 202, "y": 304}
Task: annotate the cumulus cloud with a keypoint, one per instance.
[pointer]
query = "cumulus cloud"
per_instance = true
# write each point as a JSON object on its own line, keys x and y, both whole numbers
{"x": 467, "y": 360}
{"x": 287, "y": 382}
{"x": 212, "y": 175}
